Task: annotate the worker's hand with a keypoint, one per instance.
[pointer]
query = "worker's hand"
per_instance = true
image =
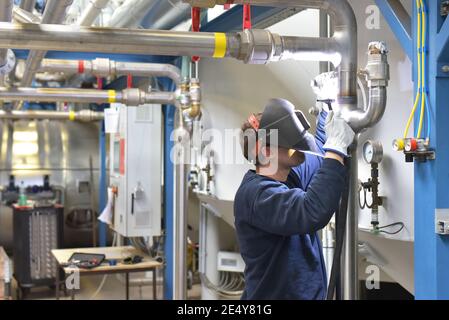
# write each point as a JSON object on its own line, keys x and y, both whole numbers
{"x": 339, "y": 135}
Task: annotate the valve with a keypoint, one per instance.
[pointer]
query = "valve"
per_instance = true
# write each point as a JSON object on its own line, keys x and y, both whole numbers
{"x": 414, "y": 149}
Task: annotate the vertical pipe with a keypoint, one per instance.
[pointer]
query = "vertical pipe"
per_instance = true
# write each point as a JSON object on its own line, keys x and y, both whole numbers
{"x": 324, "y": 33}
{"x": 350, "y": 274}
{"x": 180, "y": 205}
{"x": 102, "y": 192}
{"x": 169, "y": 116}
{"x": 27, "y": 5}
{"x": 5, "y": 16}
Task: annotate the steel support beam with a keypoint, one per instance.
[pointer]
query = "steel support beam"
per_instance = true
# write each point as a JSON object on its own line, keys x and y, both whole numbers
{"x": 400, "y": 23}
{"x": 431, "y": 178}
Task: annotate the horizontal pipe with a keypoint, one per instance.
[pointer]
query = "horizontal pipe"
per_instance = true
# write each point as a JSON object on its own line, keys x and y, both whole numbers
{"x": 83, "y": 115}
{"x": 106, "y": 40}
{"x": 130, "y": 97}
{"x": 311, "y": 49}
{"x": 106, "y": 67}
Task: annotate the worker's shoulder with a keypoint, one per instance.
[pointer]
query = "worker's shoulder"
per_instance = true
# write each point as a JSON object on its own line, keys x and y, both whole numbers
{"x": 251, "y": 186}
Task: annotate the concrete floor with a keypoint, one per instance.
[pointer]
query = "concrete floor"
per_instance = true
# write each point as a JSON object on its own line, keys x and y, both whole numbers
{"x": 113, "y": 289}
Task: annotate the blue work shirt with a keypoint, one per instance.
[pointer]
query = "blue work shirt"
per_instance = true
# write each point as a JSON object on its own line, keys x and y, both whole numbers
{"x": 277, "y": 224}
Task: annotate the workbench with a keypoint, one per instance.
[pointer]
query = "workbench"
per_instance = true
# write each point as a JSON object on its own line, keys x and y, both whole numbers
{"x": 112, "y": 253}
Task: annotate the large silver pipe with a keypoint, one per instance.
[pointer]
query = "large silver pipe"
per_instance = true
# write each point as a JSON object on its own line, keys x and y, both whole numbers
{"x": 350, "y": 270}
{"x": 27, "y": 5}
{"x": 83, "y": 115}
{"x": 131, "y": 97}
{"x": 55, "y": 11}
{"x": 345, "y": 32}
{"x": 106, "y": 67}
{"x": 91, "y": 12}
{"x": 107, "y": 40}
{"x": 181, "y": 138}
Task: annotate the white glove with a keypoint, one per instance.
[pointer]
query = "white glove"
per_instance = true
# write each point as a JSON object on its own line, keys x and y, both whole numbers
{"x": 339, "y": 135}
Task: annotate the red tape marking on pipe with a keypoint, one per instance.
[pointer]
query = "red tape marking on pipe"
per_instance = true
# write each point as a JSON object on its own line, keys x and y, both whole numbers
{"x": 247, "y": 17}
{"x": 196, "y": 19}
{"x": 81, "y": 66}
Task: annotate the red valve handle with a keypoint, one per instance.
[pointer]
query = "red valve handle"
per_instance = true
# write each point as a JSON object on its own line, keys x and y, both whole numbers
{"x": 247, "y": 17}
{"x": 196, "y": 18}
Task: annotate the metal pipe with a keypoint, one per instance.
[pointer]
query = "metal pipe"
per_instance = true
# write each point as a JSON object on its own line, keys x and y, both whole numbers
{"x": 91, "y": 12}
{"x": 22, "y": 16}
{"x": 83, "y": 115}
{"x": 130, "y": 97}
{"x": 106, "y": 40}
{"x": 345, "y": 32}
{"x": 6, "y": 7}
{"x": 28, "y": 5}
{"x": 178, "y": 13}
{"x": 106, "y": 67}
{"x": 131, "y": 13}
{"x": 54, "y": 13}
{"x": 350, "y": 272}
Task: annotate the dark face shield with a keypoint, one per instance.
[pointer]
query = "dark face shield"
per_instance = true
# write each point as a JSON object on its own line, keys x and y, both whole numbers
{"x": 291, "y": 126}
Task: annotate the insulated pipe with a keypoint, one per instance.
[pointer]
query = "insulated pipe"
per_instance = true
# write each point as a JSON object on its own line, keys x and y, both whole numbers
{"x": 91, "y": 12}
{"x": 130, "y": 97}
{"x": 83, "y": 115}
{"x": 106, "y": 67}
{"x": 28, "y": 5}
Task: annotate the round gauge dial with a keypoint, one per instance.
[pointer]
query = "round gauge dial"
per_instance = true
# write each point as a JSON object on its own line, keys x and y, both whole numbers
{"x": 372, "y": 152}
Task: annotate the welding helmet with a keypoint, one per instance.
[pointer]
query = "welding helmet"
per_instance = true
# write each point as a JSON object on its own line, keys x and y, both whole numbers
{"x": 291, "y": 126}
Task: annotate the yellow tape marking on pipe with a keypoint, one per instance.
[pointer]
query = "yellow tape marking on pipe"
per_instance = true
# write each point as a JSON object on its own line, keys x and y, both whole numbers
{"x": 220, "y": 45}
{"x": 112, "y": 96}
{"x": 72, "y": 115}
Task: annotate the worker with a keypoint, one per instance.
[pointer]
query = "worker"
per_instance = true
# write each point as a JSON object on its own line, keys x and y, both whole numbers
{"x": 291, "y": 195}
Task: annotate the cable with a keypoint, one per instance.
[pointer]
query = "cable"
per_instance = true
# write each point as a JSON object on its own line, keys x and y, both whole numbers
{"x": 341, "y": 216}
{"x": 423, "y": 60}
{"x": 418, "y": 92}
{"x": 103, "y": 281}
{"x": 401, "y": 224}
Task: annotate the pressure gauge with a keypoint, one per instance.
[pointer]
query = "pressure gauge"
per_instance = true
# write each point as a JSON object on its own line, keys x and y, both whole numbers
{"x": 372, "y": 152}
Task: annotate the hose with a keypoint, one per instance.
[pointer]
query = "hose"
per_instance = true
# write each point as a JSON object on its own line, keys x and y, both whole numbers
{"x": 340, "y": 226}
{"x": 419, "y": 60}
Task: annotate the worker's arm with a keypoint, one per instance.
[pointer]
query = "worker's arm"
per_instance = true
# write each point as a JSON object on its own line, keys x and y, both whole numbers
{"x": 312, "y": 163}
{"x": 282, "y": 211}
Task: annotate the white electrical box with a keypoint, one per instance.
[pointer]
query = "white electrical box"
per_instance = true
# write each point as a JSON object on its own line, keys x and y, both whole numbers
{"x": 230, "y": 262}
{"x": 136, "y": 155}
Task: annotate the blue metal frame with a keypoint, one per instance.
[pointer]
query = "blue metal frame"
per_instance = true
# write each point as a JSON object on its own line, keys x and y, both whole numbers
{"x": 432, "y": 178}
{"x": 102, "y": 188}
{"x": 232, "y": 19}
{"x": 399, "y": 25}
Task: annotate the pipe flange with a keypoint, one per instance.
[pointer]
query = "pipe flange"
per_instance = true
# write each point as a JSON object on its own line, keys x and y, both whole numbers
{"x": 133, "y": 97}
{"x": 257, "y": 46}
{"x": 101, "y": 67}
{"x": 9, "y": 63}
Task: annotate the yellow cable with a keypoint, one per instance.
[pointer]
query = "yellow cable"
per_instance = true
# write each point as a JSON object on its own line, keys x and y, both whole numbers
{"x": 418, "y": 93}
{"x": 423, "y": 81}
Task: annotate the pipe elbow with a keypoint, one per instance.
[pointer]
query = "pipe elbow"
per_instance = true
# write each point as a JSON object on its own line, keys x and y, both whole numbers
{"x": 363, "y": 119}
